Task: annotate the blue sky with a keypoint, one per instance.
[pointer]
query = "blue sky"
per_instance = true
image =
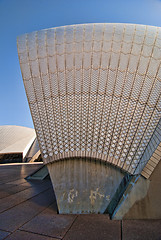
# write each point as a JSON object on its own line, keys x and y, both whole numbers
{"x": 21, "y": 16}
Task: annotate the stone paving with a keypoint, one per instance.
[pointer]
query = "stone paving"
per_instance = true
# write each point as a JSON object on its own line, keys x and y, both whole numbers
{"x": 28, "y": 211}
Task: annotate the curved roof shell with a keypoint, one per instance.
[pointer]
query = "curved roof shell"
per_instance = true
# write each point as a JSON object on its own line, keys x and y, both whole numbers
{"x": 16, "y": 139}
{"x": 94, "y": 91}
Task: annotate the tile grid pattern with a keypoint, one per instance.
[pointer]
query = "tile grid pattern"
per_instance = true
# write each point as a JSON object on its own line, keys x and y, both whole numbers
{"x": 94, "y": 90}
{"x": 153, "y": 151}
{"x": 15, "y": 140}
{"x": 9, "y": 135}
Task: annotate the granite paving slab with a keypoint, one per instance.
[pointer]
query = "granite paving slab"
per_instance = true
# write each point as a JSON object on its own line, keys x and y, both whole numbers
{"x": 17, "y": 198}
{"x": 12, "y": 190}
{"x": 18, "y": 181}
{"x": 15, "y": 217}
{"x": 94, "y": 227}
{"x": 141, "y": 229}
{"x": 3, "y": 234}
{"x": 21, "y": 235}
{"x": 52, "y": 224}
{"x": 6, "y": 186}
{"x": 10, "y": 173}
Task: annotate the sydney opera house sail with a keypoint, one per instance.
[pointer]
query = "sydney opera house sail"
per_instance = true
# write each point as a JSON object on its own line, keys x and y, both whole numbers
{"x": 94, "y": 92}
{"x": 17, "y": 144}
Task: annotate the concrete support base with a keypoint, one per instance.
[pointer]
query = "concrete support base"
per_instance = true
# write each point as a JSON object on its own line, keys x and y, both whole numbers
{"x": 136, "y": 190}
{"x": 143, "y": 200}
{"x": 83, "y": 185}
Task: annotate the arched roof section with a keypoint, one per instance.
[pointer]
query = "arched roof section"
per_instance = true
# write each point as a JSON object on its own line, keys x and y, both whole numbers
{"x": 94, "y": 90}
{"x": 16, "y": 139}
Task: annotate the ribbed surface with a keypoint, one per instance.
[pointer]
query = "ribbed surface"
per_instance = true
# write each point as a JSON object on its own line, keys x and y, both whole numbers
{"x": 16, "y": 139}
{"x": 152, "y": 152}
{"x": 93, "y": 90}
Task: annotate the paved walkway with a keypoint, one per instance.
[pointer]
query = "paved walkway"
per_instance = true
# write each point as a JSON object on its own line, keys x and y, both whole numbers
{"x": 28, "y": 211}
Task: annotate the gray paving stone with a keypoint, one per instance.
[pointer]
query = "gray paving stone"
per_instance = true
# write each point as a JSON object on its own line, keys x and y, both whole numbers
{"x": 5, "y": 186}
{"x": 15, "y": 217}
{"x": 53, "y": 225}
{"x": 21, "y": 182}
{"x": 12, "y": 190}
{"x": 3, "y": 234}
{"x": 18, "y": 181}
{"x": 141, "y": 229}
{"x": 94, "y": 227}
{"x": 17, "y": 198}
{"x": 21, "y": 235}
{"x": 15, "y": 174}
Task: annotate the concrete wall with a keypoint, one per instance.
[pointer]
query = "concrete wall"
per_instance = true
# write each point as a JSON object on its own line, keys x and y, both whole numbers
{"x": 142, "y": 198}
{"x": 150, "y": 206}
{"x": 83, "y": 186}
{"x": 136, "y": 190}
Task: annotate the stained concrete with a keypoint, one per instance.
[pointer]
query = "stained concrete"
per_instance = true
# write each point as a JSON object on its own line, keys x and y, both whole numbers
{"x": 83, "y": 186}
{"x": 136, "y": 190}
{"x": 150, "y": 206}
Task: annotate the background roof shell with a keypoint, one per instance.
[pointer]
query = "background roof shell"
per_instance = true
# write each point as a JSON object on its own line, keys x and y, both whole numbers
{"x": 16, "y": 139}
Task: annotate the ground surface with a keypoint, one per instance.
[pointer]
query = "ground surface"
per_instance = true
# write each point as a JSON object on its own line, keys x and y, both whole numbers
{"x": 28, "y": 211}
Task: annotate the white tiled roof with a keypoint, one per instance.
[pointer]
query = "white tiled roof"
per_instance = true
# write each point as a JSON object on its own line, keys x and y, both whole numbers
{"x": 16, "y": 139}
{"x": 94, "y": 90}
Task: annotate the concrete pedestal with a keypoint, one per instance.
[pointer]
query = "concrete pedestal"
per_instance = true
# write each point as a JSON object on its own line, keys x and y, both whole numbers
{"x": 83, "y": 185}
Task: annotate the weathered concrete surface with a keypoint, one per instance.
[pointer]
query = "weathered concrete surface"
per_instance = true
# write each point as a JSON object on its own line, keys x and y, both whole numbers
{"x": 150, "y": 206}
{"x": 136, "y": 190}
{"x": 83, "y": 186}
{"x": 142, "y": 199}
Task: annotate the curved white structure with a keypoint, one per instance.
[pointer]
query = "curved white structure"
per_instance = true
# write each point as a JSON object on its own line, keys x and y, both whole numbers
{"x": 16, "y": 140}
{"x": 94, "y": 90}
{"x": 94, "y": 93}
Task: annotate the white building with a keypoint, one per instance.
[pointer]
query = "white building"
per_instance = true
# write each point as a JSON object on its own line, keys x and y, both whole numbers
{"x": 94, "y": 94}
{"x": 17, "y": 144}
